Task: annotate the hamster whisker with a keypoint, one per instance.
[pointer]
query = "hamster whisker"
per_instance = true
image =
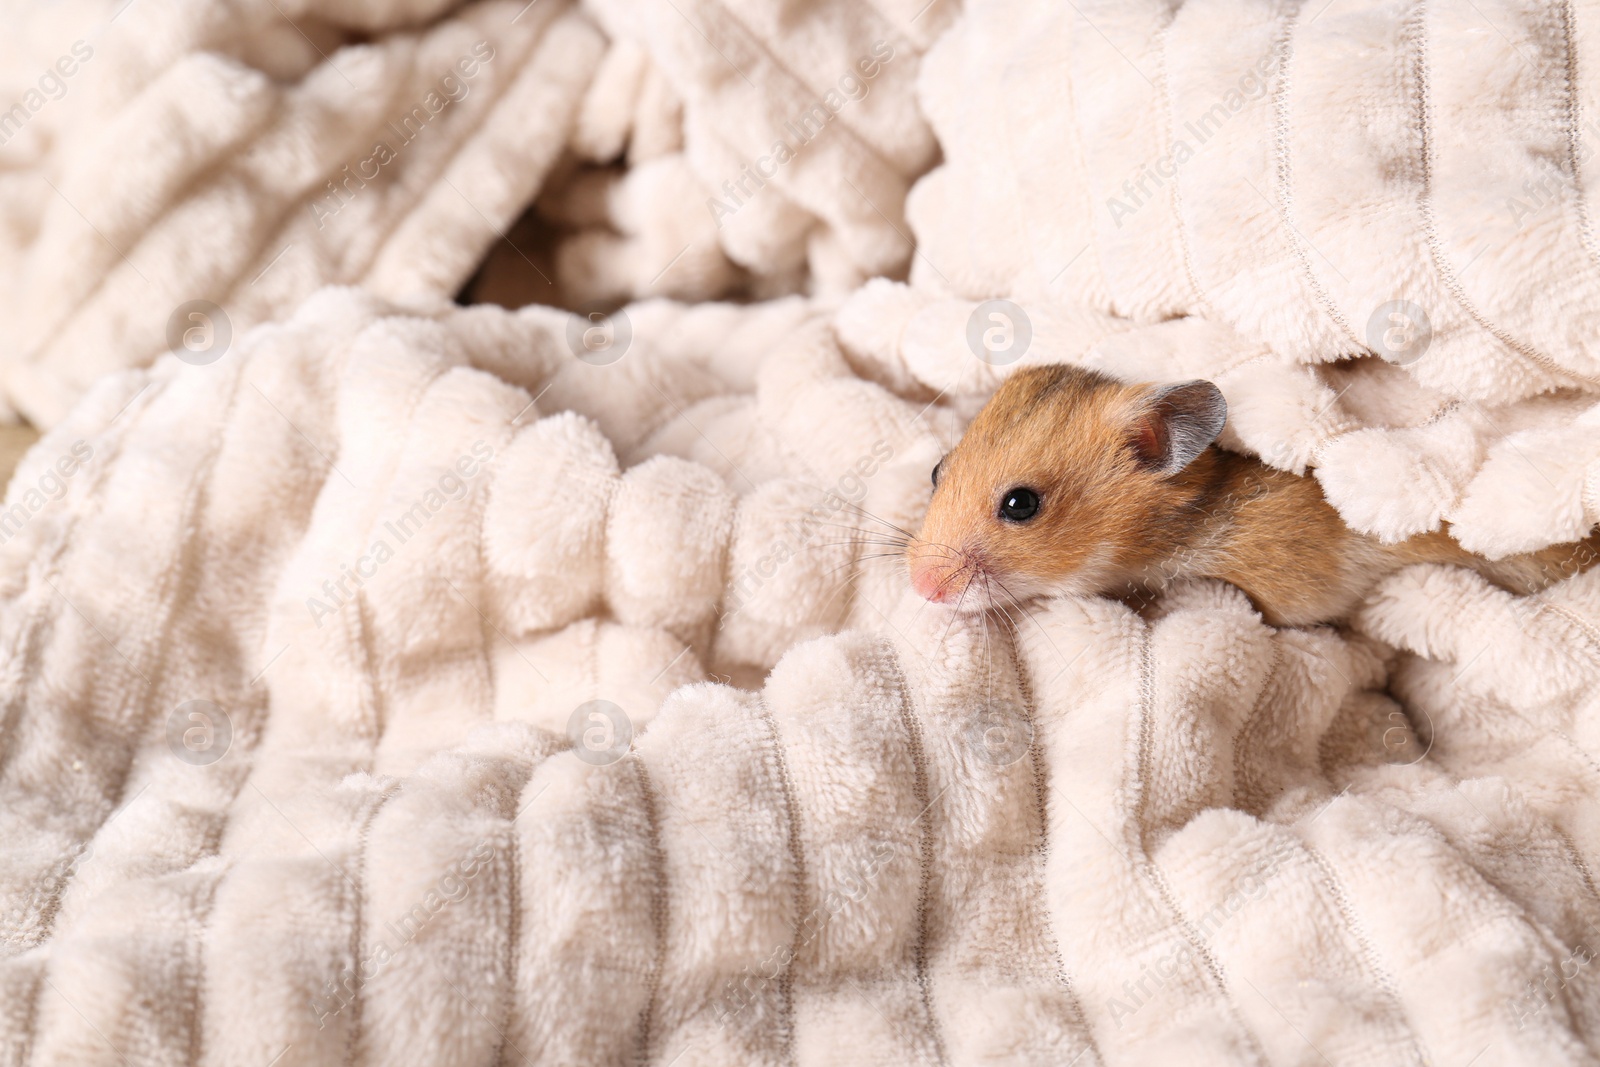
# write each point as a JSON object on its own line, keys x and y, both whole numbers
{"x": 855, "y": 572}
{"x": 839, "y": 586}
{"x": 954, "y": 615}
{"x": 1024, "y": 612}
{"x": 940, "y": 544}
{"x": 865, "y": 535}
{"x": 951, "y": 576}
{"x": 867, "y": 541}
{"x": 988, "y": 655}
{"x": 896, "y": 535}
{"x": 1011, "y": 596}
{"x": 871, "y": 536}
{"x": 875, "y": 517}
{"x": 879, "y": 519}
{"x": 870, "y": 555}
{"x": 946, "y": 550}
{"x": 962, "y": 599}
{"x": 1003, "y": 610}
{"x": 1010, "y": 624}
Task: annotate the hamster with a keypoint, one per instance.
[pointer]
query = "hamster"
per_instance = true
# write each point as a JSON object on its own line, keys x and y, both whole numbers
{"x": 1072, "y": 483}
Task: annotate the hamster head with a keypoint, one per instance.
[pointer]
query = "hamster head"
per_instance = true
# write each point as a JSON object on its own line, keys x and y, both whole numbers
{"x": 1067, "y": 483}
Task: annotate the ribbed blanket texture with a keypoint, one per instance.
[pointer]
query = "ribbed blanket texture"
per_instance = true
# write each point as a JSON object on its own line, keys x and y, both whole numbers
{"x": 390, "y": 681}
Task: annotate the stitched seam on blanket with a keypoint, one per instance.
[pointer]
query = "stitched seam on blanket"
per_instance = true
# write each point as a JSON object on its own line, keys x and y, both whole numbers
{"x": 1284, "y": 49}
{"x": 926, "y": 841}
{"x": 1041, "y": 848}
{"x": 1147, "y": 863}
{"x": 1202, "y": 948}
{"x": 1584, "y": 628}
{"x": 797, "y": 860}
{"x": 1369, "y": 954}
{"x": 1247, "y": 794}
{"x": 1582, "y": 752}
{"x": 513, "y": 940}
{"x": 1575, "y": 858}
{"x": 196, "y": 971}
{"x": 1574, "y": 131}
{"x": 30, "y": 1021}
{"x": 371, "y": 690}
{"x": 358, "y": 926}
{"x": 658, "y": 905}
{"x": 508, "y": 812}
{"x": 1415, "y": 35}
{"x": 355, "y": 625}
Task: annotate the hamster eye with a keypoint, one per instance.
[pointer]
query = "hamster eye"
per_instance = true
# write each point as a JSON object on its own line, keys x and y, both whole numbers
{"x": 937, "y": 467}
{"x": 1019, "y": 505}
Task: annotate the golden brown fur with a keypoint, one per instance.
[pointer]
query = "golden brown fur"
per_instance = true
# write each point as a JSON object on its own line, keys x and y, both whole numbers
{"x": 1113, "y": 521}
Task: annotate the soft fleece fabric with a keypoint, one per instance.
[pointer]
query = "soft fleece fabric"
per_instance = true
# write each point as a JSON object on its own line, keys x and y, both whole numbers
{"x": 844, "y": 830}
{"x": 227, "y": 153}
{"x": 1178, "y": 837}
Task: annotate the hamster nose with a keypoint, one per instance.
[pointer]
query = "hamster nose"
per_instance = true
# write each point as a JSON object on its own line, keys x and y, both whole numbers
{"x": 931, "y": 577}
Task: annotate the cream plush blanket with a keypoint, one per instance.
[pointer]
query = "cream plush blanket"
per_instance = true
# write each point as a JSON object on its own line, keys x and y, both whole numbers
{"x": 421, "y": 684}
{"x": 311, "y": 765}
{"x": 246, "y": 154}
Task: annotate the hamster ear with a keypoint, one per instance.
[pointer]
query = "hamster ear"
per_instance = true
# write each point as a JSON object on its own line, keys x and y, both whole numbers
{"x": 1177, "y": 423}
